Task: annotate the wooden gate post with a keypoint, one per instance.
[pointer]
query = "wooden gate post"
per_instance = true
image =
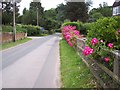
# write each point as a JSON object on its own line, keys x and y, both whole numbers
{"x": 116, "y": 69}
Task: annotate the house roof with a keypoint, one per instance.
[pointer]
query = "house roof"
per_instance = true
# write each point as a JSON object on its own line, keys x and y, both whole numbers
{"x": 116, "y": 3}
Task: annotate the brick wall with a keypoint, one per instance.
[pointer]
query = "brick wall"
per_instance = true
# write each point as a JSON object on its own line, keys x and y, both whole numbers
{"x": 8, "y": 36}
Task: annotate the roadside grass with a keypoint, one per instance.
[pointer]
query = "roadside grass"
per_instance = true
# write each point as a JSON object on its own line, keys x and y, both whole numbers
{"x": 74, "y": 73}
{"x": 11, "y": 44}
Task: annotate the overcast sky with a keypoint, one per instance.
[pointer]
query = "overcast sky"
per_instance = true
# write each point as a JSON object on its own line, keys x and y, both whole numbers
{"x": 47, "y": 4}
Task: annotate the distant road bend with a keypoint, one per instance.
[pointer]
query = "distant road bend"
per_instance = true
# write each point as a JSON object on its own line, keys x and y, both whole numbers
{"x": 34, "y": 64}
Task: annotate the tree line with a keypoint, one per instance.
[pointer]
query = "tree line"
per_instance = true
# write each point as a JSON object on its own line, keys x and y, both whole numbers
{"x": 54, "y": 17}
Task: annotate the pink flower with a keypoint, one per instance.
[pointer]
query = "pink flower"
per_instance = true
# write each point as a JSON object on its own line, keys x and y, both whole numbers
{"x": 101, "y": 41}
{"x": 94, "y": 41}
{"x": 70, "y": 44}
{"x": 119, "y": 31}
{"x": 110, "y": 45}
{"x": 87, "y": 50}
{"x": 107, "y": 59}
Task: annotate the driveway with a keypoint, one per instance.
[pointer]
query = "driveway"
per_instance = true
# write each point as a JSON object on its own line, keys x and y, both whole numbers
{"x": 34, "y": 64}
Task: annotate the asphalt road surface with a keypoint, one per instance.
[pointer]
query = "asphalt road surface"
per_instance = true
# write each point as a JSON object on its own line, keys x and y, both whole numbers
{"x": 34, "y": 64}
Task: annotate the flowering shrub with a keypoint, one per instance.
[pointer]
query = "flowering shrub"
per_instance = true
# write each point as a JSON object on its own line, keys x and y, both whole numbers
{"x": 70, "y": 34}
{"x": 107, "y": 29}
{"x": 99, "y": 50}
{"x": 87, "y": 51}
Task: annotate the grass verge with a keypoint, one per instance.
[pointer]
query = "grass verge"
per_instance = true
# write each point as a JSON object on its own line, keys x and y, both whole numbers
{"x": 11, "y": 44}
{"x": 74, "y": 73}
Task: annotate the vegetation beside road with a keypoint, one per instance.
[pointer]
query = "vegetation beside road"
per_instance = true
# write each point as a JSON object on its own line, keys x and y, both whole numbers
{"x": 74, "y": 73}
{"x": 11, "y": 44}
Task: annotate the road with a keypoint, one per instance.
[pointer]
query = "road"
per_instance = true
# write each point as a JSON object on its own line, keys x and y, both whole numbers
{"x": 34, "y": 64}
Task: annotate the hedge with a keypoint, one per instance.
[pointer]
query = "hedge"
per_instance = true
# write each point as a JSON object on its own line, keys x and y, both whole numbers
{"x": 77, "y": 24}
{"x": 32, "y": 30}
{"x": 10, "y": 28}
{"x": 106, "y": 29}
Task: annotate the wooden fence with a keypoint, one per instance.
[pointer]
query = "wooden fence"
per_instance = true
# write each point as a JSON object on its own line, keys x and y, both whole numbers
{"x": 105, "y": 77}
{"x": 8, "y": 36}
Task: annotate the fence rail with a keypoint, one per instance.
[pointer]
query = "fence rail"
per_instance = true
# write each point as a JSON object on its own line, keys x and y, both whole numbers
{"x": 105, "y": 77}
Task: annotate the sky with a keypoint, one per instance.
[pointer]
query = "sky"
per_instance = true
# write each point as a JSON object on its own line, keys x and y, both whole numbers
{"x": 47, "y": 4}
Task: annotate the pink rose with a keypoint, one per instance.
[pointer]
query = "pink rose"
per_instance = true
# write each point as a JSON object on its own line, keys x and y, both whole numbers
{"x": 110, "y": 45}
{"x": 94, "y": 41}
{"x": 106, "y": 59}
{"x": 87, "y": 50}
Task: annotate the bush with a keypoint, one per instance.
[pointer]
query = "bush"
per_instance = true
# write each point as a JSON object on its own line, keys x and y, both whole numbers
{"x": 52, "y": 31}
{"x": 10, "y": 28}
{"x": 85, "y": 27}
{"x": 7, "y": 28}
{"x": 77, "y": 24}
{"x": 106, "y": 29}
{"x": 58, "y": 30}
{"x": 45, "y": 32}
{"x": 32, "y": 30}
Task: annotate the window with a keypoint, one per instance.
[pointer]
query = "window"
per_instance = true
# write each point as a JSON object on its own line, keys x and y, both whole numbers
{"x": 116, "y": 10}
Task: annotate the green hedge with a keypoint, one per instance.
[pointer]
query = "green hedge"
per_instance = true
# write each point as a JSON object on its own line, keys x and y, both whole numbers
{"x": 106, "y": 29}
{"x": 10, "y": 28}
{"x": 77, "y": 24}
{"x": 32, "y": 30}
{"x": 58, "y": 30}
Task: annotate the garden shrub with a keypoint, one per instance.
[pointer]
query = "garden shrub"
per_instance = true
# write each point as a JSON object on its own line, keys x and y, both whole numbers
{"x": 85, "y": 27}
{"x": 51, "y": 31}
{"x": 106, "y": 29}
{"x": 58, "y": 30}
{"x": 77, "y": 24}
{"x": 32, "y": 30}
{"x": 103, "y": 37}
{"x": 7, "y": 28}
{"x": 70, "y": 34}
{"x": 10, "y": 28}
{"x": 45, "y": 32}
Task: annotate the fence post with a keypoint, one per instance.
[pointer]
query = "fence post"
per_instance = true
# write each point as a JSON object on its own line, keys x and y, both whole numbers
{"x": 116, "y": 69}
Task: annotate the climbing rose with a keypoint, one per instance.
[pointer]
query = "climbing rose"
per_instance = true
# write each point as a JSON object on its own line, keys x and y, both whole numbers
{"x": 70, "y": 44}
{"x": 119, "y": 31}
{"x": 94, "y": 41}
{"x": 87, "y": 50}
{"x": 106, "y": 59}
{"x": 110, "y": 45}
{"x": 101, "y": 41}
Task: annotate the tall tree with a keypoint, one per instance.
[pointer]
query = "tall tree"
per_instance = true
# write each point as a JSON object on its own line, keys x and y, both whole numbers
{"x": 104, "y": 9}
{"x": 60, "y": 12}
{"x": 30, "y": 16}
{"x": 76, "y": 11}
{"x": 7, "y": 12}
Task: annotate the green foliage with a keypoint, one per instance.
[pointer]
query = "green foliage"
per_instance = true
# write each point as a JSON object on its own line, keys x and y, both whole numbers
{"x": 77, "y": 24}
{"x": 7, "y": 12}
{"x": 7, "y": 28}
{"x": 58, "y": 30}
{"x": 52, "y": 31}
{"x": 74, "y": 73}
{"x": 10, "y": 28}
{"x": 85, "y": 27}
{"x": 49, "y": 24}
{"x": 96, "y": 16}
{"x": 106, "y": 30}
{"x": 102, "y": 11}
{"x": 76, "y": 11}
{"x": 30, "y": 16}
{"x": 45, "y": 32}
{"x": 32, "y": 30}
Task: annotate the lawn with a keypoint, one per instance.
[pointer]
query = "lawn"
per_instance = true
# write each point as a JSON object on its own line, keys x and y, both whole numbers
{"x": 11, "y": 44}
{"x": 74, "y": 73}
